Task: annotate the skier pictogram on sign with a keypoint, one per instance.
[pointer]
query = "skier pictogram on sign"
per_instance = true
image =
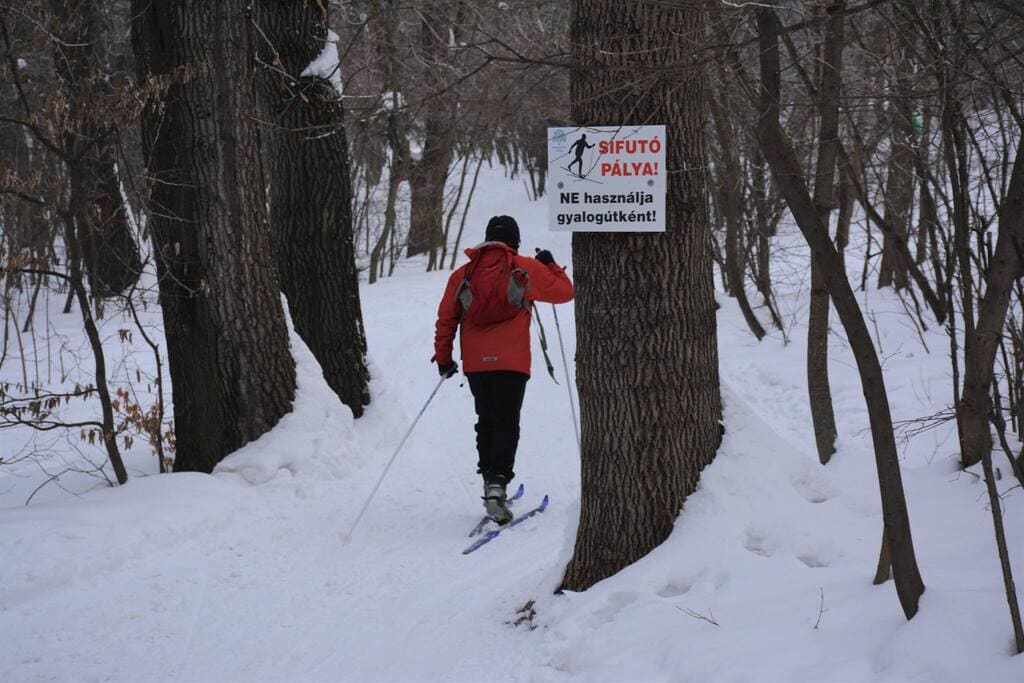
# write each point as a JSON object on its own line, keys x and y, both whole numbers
{"x": 578, "y": 148}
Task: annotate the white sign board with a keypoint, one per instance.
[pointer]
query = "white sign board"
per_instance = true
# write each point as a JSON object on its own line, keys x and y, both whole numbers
{"x": 606, "y": 179}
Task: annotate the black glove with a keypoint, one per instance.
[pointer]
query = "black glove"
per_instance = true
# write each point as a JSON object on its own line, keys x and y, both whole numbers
{"x": 448, "y": 370}
{"x": 545, "y": 257}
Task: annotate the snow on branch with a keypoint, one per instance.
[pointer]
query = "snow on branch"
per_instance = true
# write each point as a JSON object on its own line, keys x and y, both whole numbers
{"x": 326, "y": 64}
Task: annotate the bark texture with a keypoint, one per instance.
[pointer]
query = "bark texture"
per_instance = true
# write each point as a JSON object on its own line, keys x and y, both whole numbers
{"x": 227, "y": 343}
{"x": 786, "y": 169}
{"x": 311, "y": 196}
{"x": 647, "y": 363}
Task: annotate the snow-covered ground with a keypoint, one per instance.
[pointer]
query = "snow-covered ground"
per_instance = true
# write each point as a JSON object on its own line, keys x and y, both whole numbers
{"x": 246, "y": 575}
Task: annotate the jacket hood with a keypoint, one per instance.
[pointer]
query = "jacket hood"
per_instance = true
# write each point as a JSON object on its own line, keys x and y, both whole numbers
{"x": 472, "y": 252}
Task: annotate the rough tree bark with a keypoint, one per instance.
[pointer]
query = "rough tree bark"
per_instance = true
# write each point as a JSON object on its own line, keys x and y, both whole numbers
{"x": 647, "y": 362}
{"x": 788, "y": 175}
{"x": 108, "y": 248}
{"x": 232, "y": 374}
{"x": 311, "y": 195}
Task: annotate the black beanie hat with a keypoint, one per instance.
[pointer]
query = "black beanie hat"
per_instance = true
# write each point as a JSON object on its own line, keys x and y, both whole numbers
{"x": 503, "y": 229}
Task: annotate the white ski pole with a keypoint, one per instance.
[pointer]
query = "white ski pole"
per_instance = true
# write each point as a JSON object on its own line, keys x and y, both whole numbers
{"x": 376, "y": 486}
{"x": 568, "y": 382}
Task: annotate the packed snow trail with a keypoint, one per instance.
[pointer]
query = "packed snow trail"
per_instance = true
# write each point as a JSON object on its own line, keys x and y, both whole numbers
{"x": 234, "y": 581}
{"x": 243, "y": 576}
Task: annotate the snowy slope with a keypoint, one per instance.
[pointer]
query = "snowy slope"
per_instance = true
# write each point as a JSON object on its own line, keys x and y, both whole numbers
{"x": 244, "y": 575}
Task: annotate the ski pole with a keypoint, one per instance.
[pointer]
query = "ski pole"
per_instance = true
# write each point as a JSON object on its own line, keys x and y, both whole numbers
{"x": 568, "y": 382}
{"x": 543, "y": 342}
{"x": 387, "y": 467}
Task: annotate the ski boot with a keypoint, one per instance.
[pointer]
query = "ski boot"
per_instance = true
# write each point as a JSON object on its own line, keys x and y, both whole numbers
{"x": 494, "y": 502}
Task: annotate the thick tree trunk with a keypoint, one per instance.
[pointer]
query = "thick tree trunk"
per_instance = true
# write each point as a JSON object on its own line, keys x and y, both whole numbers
{"x": 647, "y": 363}
{"x": 232, "y": 374}
{"x": 1005, "y": 267}
{"x": 108, "y": 248}
{"x": 311, "y": 196}
{"x": 788, "y": 175}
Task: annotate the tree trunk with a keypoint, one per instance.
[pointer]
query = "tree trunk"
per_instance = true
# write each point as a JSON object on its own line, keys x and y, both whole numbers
{"x": 954, "y": 152}
{"x": 311, "y": 196}
{"x": 818, "y": 390}
{"x": 730, "y": 180}
{"x": 465, "y": 213}
{"x": 426, "y": 182}
{"x": 899, "y": 182}
{"x": 108, "y": 248}
{"x": 386, "y": 28}
{"x": 232, "y": 374}
{"x": 1006, "y": 267}
{"x": 765, "y": 230}
{"x": 788, "y": 175}
{"x": 428, "y": 174}
{"x": 647, "y": 362}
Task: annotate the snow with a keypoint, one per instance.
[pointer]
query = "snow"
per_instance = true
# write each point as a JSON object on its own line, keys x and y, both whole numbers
{"x": 316, "y": 440}
{"x": 243, "y": 575}
{"x": 326, "y": 64}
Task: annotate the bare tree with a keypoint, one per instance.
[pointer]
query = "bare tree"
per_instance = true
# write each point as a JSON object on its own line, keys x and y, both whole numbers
{"x": 101, "y": 229}
{"x": 790, "y": 178}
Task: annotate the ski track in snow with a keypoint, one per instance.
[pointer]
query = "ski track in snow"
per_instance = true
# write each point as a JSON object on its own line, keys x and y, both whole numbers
{"x": 244, "y": 576}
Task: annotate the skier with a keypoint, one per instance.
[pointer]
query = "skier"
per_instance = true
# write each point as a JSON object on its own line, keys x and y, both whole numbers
{"x": 578, "y": 148}
{"x": 489, "y": 298}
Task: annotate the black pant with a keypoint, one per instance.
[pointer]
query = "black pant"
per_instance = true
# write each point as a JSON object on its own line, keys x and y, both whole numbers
{"x": 498, "y": 397}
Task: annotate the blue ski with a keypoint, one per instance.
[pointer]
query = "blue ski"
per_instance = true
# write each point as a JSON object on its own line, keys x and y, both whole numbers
{"x": 483, "y": 522}
{"x": 491, "y": 535}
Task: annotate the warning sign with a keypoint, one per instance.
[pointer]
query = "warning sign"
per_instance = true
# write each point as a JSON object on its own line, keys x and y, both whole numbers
{"x": 607, "y": 179}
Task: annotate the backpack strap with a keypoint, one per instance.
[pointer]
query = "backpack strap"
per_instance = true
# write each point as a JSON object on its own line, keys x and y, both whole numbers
{"x": 463, "y": 294}
{"x": 518, "y": 286}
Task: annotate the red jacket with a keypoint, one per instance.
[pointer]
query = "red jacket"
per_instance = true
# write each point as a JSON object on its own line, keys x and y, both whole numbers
{"x": 504, "y": 345}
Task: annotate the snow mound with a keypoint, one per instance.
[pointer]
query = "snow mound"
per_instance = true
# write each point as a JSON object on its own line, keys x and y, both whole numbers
{"x": 771, "y": 559}
{"x": 315, "y": 440}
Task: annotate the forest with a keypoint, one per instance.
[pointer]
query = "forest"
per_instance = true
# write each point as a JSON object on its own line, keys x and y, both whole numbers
{"x": 224, "y": 231}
